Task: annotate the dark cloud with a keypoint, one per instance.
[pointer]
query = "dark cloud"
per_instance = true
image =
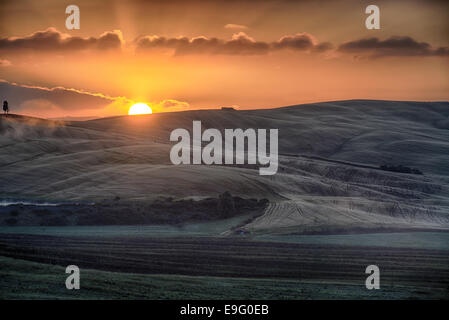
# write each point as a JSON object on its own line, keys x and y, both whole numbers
{"x": 239, "y": 44}
{"x": 242, "y": 44}
{"x": 22, "y": 97}
{"x": 53, "y": 40}
{"x": 301, "y": 41}
{"x": 394, "y": 46}
{"x": 323, "y": 46}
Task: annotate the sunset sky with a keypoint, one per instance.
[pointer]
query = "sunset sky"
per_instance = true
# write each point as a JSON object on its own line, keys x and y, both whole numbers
{"x": 184, "y": 55}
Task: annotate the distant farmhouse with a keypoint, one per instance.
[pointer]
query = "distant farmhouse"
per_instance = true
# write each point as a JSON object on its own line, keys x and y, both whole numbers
{"x": 228, "y": 109}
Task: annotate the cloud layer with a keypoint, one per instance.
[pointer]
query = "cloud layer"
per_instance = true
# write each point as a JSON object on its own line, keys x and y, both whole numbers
{"x": 53, "y": 40}
{"x": 394, "y": 46}
{"x": 239, "y": 44}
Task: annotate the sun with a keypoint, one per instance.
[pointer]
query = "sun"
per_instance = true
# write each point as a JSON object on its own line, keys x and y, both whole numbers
{"x": 139, "y": 108}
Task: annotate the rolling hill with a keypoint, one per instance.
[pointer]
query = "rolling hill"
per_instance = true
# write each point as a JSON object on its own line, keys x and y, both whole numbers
{"x": 329, "y": 178}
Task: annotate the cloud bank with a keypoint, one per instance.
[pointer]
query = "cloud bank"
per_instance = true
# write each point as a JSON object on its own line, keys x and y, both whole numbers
{"x": 239, "y": 44}
{"x": 52, "y": 40}
{"x": 397, "y": 46}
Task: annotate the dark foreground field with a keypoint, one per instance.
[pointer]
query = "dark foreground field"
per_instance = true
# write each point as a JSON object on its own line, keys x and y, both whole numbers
{"x": 32, "y": 266}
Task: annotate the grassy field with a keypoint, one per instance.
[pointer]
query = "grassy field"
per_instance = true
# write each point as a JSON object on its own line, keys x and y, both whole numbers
{"x": 20, "y": 279}
{"x": 209, "y": 228}
{"x": 417, "y": 240}
{"x": 119, "y": 267}
{"x": 412, "y": 239}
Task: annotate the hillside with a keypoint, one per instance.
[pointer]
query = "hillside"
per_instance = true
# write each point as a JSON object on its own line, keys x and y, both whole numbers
{"x": 328, "y": 180}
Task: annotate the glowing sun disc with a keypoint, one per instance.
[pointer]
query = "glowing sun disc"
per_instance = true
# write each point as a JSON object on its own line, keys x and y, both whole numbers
{"x": 139, "y": 108}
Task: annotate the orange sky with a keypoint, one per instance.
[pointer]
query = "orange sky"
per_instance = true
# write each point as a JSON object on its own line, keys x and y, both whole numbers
{"x": 250, "y": 54}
